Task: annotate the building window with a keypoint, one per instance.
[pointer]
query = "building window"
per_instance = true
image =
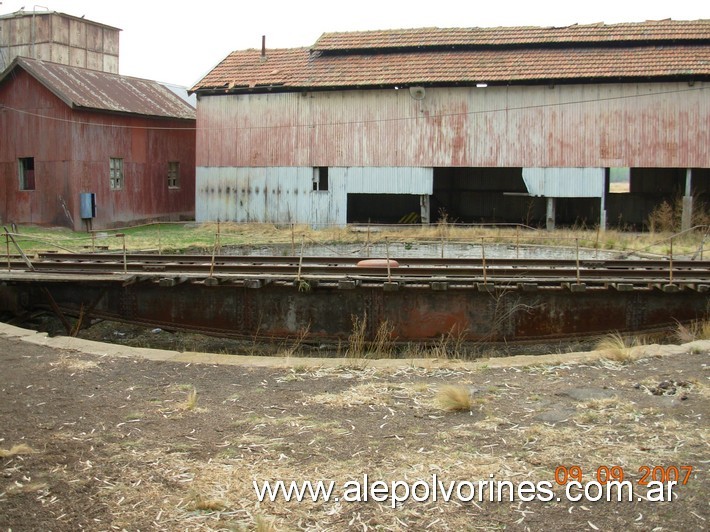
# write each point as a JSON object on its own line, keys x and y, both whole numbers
{"x": 173, "y": 174}
{"x": 320, "y": 178}
{"x": 116, "y": 174}
{"x": 26, "y": 173}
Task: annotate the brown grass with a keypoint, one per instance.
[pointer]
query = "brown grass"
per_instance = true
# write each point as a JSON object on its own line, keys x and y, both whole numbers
{"x": 15, "y": 450}
{"x": 191, "y": 401}
{"x": 383, "y": 345}
{"x": 455, "y": 398}
{"x": 696, "y": 330}
{"x": 614, "y": 346}
{"x": 356, "y": 340}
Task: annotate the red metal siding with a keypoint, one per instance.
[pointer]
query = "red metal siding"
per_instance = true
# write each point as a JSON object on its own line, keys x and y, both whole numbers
{"x": 72, "y": 156}
{"x": 605, "y": 125}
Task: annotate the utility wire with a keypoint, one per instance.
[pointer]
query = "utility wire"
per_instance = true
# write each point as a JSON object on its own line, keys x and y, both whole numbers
{"x": 353, "y": 122}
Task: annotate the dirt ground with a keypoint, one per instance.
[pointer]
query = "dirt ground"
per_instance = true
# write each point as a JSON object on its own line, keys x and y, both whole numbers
{"x": 127, "y": 443}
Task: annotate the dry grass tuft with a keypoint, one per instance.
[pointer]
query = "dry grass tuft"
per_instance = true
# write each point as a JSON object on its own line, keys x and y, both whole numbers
{"x": 191, "y": 401}
{"x": 295, "y": 348}
{"x": 615, "y": 347}
{"x": 208, "y": 505}
{"x": 383, "y": 346}
{"x": 356, "y": 340}
{"x": 455, "y": 398}
{"x": 15, "y": 450}
{"x": 450, "y": 345}
{"x": 262, "y": 524}
{"x": 696, "y": 330}
{"x": 75, "y": 364}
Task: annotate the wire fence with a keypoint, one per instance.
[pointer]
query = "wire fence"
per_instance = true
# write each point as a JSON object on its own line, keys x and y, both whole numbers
{"x": 444, "y": 240}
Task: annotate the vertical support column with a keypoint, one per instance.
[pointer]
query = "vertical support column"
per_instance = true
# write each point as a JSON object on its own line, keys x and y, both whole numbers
{"x": 602, "y": 202}
{"x": 686, "y": 219}
{"x": 425, "y": 208}
{"x": 550, "y": 213}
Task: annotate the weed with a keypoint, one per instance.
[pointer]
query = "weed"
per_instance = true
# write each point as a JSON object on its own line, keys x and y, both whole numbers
{"x": 262, "y": 524}
{"x": 455, "y": 398}
{"x": 696, "y": 330}
{"x": 15, "y": 450}
{"x": 614, "y": 346}
{"x": 450, "y": 345}
{"x": 295, "y": 348}
{"x": 191, "y": 401}
{"x": 356, "y": 340}
{"x": 383, "y": 346}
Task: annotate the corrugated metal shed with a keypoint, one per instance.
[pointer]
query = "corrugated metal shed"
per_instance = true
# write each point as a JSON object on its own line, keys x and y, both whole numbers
{"x": 82, "y": 88}
{"x": 73, "y": 148}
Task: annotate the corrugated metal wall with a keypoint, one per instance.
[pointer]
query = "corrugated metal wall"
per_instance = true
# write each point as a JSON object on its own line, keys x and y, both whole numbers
{"x": 71, "y": 151}
{"x": 286, "y": 195}
{"x": 565, "y": 182}
{"x": 575, "y": 126}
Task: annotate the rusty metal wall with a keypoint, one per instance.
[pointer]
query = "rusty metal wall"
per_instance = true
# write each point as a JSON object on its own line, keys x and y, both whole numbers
{"x": 418, "y": 314}
{"x": 597, "y": 126}
{"x": 72, "y": 155}
{"x": 286, "y": 195}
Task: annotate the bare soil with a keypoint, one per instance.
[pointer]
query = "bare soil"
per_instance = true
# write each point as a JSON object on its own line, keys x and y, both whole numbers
{"x": 129, "y": 443}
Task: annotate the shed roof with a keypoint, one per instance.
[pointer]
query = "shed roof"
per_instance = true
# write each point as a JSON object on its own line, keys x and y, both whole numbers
{"x": 82, "y": 88}
{"x": 657, "y": 31}
{"x": 434, "y": 56}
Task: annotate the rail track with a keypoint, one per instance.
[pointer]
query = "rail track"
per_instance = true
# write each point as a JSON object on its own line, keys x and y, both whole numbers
{"x": 606, "y": 273}
{"x": 421, "y": 299}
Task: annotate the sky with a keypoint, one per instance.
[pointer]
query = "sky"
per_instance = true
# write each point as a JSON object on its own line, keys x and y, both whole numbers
{"x": 178, "y": 41}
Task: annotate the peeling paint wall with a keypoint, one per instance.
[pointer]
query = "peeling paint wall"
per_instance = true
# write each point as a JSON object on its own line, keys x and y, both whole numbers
{"x": 566, "y": 126}
{"x": 286, "y": 195}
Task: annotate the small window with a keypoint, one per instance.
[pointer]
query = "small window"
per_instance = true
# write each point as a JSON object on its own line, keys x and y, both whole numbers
{"x": 173, "y": 174}
{"x": 26, "y": 172}
{"x": 320, "y": 178}
{"x": 116, "y": 174}
{"x": 619, "y": 180}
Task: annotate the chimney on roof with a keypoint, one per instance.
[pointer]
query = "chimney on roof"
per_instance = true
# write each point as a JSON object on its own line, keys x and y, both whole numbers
{"x": 263, "y": 47}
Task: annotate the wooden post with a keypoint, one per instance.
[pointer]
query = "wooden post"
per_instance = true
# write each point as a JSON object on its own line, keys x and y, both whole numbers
{"x": 7, "y": 250}
{"x": 576, "y": 242}
{"x": 670, "y": 269}
{"x": 125, "y": 262}
{"x": 300, "y": 259}
{"x": 483, "y": 258}
{"x": 517, "y": 241}
{"x": 387, "y": 252}
{"x": 293, "y": 241}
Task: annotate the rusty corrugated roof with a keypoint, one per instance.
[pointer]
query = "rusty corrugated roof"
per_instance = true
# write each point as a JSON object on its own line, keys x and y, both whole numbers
{"x": 82, "y": 88}
{"x": 445, "y": 56}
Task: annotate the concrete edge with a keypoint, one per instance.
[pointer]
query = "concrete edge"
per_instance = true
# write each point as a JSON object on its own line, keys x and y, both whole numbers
{"x": 90, "y": 347}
